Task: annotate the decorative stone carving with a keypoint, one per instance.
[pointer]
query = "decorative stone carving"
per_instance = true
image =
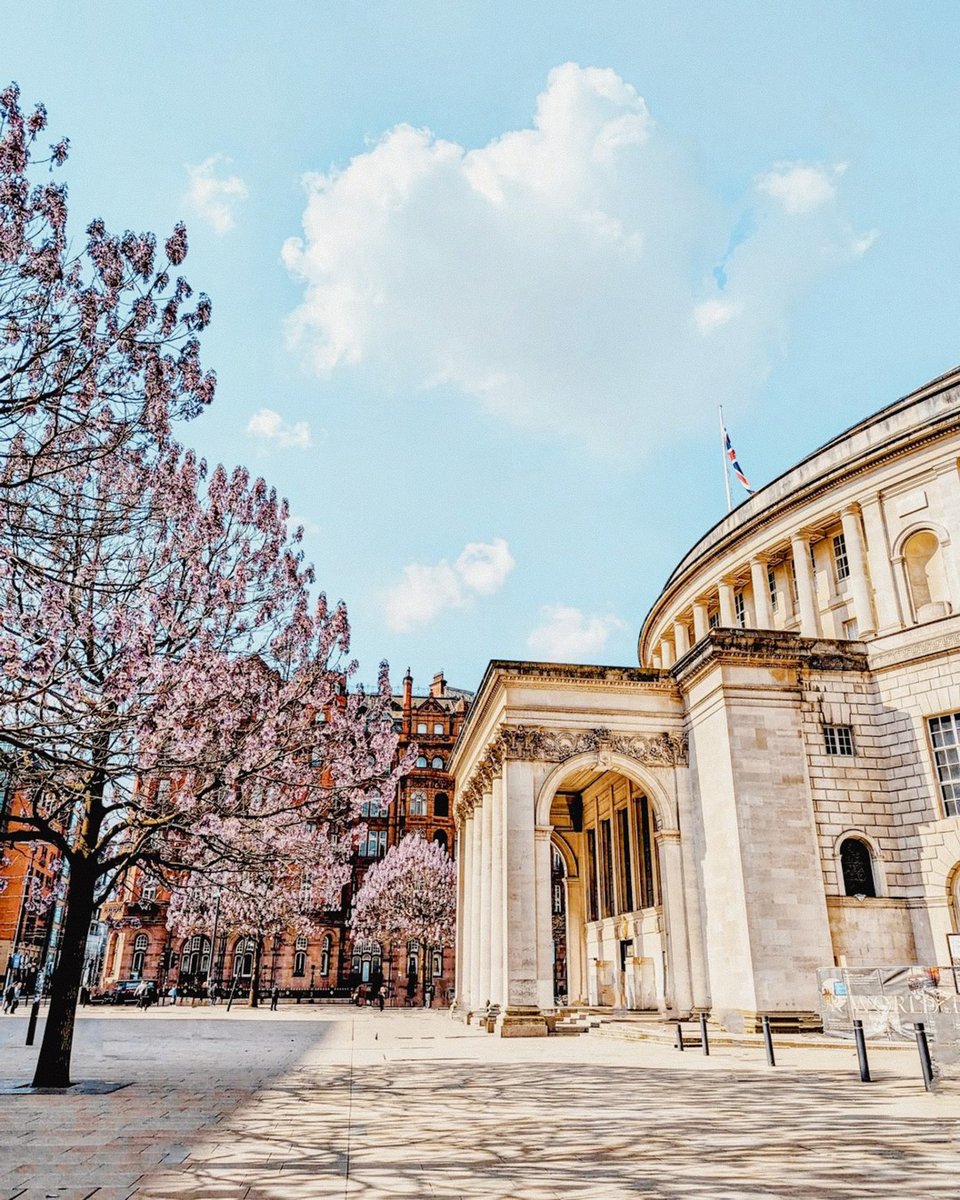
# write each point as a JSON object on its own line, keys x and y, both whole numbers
{"x": 532, "y": 743}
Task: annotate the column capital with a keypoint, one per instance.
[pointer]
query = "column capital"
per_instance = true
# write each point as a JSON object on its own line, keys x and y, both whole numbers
{"x": 763, "y": 557}
{"x": 850, "y": 510}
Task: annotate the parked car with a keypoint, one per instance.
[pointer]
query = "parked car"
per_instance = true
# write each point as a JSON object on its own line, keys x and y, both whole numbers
{"x": 124, "y": 991}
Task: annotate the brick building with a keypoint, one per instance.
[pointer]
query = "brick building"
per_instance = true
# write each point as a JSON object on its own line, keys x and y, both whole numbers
{"x": 30, "y": 918}
{"x": 325, "y": 962}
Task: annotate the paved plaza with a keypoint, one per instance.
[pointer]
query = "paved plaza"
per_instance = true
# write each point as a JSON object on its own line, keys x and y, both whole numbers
{"x": 342, "y": 1102}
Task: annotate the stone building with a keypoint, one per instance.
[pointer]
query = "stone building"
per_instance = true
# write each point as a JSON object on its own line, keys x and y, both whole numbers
{"x": 774, "y": 789}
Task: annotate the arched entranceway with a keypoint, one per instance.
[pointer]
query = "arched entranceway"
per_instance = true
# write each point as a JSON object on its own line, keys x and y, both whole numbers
{"x": 613, "y": 912}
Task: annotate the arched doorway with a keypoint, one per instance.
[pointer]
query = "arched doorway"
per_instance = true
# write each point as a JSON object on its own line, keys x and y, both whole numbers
{"x": 614, "y": 909}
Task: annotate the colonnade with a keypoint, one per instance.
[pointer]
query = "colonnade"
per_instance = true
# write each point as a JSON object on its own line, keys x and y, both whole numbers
{"x": 870, "y": 584}
{"x": 505, "y": 952}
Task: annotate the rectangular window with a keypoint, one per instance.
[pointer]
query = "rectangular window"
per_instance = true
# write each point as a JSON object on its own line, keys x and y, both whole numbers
{"x": 592, "y": 874}
{"x": 841, "y": 565}
{"x": 650, "y": 897}
{"x": 374, "y": 845}
{"x": 607, "y": 901}
{"x": 772, "y": 588}
{"x": 838, "y": 739}
{"x": 851, "y": 629}
{"x": 626, "y": 875}
{"x": 740, "y": 609}
{"x": 714, "y": 620}
{"x": 557, "y": 899}
{"x": 945, "y": 736}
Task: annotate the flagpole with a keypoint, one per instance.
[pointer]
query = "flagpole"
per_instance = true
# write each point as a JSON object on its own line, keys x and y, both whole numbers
{"x": 723, "y": 451}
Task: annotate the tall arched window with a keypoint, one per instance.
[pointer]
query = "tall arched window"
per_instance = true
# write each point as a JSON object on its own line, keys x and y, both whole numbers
{"x": 243, "y": 958}
{"x": 856, "y": 868}
{"x": 436, "y": 763}
{"x": 195, "y": 960}
{"x": 139, "y": 955}
{"x": 923, "y": 561}
{"x": 440, "y": 838}
{"x": 326, "y": 947}
{"x": 300, "y": 957}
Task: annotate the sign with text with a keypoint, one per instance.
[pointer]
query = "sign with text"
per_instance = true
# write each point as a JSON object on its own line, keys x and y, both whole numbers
{"x": 890, "y": 1001}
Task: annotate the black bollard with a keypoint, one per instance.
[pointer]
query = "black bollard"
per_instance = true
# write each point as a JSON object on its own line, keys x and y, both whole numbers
{"x": 926, "y": 1066}
{"x": 679, "y": 1036}
{"x": 704, "y": 1040}
{"x": 32, "y": 1023}
{"x": 768, "y": 1041}
{"x": 861, "y": 1051}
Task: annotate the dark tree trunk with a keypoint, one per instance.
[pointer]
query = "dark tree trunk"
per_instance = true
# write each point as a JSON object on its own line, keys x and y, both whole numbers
{"x": 53, "y": 1063}
{"x": 255, "y": 974}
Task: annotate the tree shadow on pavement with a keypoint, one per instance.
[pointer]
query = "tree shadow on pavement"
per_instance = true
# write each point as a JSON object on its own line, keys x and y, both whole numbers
{"x": 532, "y": 1131}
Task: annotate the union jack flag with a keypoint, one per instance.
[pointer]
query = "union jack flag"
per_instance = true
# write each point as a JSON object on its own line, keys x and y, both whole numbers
{"x": 732, "y": 456}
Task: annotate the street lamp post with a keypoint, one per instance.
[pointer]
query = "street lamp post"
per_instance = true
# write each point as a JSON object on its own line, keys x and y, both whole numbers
{"x": 211, "y": 981}
{"x": 313, "y": 971}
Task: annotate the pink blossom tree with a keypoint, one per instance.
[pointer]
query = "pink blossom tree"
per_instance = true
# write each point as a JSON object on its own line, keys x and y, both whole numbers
{"x": 272, "y": 879}
{"x": 97, "y": 348}
{"x": 410, "y": 895}
{"x": 167, "y": 680}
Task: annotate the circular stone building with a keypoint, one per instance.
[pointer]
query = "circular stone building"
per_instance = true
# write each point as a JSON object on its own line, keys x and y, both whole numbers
{"x": 774, "y": 790}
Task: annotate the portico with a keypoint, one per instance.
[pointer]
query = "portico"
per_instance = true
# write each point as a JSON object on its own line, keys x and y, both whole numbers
{"x": 540, "y": 778}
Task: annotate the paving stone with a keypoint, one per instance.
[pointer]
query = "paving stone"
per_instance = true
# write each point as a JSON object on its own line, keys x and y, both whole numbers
{"x": 338, "y": 1103}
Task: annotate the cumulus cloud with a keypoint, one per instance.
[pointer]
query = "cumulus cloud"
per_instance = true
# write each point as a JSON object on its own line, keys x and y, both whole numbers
{"x": 213, "y": 195}
{"x": 269, "y": 427}
{"x": 426, "y": 590}
{"x": 577, "y": 276}
{"x": 799, "y": 187}
{"x": 567, "y": 634}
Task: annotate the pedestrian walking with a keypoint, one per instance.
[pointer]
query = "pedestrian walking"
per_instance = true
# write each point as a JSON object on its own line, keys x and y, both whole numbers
{"x": 8, "y": 996}
{"x": 274, "y": 998}
{"x": 141, "y": 994}
{"x": 17, "y": 989}
{"x": 173, "y": 995}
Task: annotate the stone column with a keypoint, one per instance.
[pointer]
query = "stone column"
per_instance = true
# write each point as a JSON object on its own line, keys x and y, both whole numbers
{"x": 859, "y": 581}
{"x": 667, "y": 657}
{"x": 681, "y": 638}
{"x": 701, "y": 620}
{"x": 496, "y": 892}
{"x": 680, "y": 987}
{"x": 761, "y": 594}
{"x": 545, "y": 997}
{"x": 885, "y": 596}
{"x": 465, "y": 917}
{"x": 728, "y": 613}
{"x": 458, "y": 942}
{"x": 486, "y": 871}
{"x": 576, "y": 942}
{"x": 476, "y": 921}
{"x": 806, "y": 586}
{"x": 520, "y": 1015}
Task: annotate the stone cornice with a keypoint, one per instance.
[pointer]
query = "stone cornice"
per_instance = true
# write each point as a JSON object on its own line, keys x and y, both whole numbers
{"x": 535, "y": 743}
{"x": 751, "y": 647}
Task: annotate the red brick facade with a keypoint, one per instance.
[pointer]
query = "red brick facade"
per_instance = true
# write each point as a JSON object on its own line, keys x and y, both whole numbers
{"x": 139, "y": 946}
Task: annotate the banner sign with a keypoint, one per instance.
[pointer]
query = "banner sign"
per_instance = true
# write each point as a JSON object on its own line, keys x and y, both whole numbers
{"x": 890, "y": 1001}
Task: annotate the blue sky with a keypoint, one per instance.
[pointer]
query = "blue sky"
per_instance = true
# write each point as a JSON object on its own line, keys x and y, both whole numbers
{"x": 482, "y": 272}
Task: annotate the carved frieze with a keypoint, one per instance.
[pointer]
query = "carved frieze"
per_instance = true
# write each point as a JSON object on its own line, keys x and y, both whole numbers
{"x": 533, "y": 743}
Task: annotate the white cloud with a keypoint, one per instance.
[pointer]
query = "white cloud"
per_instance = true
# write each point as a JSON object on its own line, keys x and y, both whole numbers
{"x": 269, "y": 426}
{"x": 576, "y": 277}
{"x": 799, "y": 187}
{"x": 425, "y": 591}
{"x": 568, "y": 635}
{"x": 214, "y": 196}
